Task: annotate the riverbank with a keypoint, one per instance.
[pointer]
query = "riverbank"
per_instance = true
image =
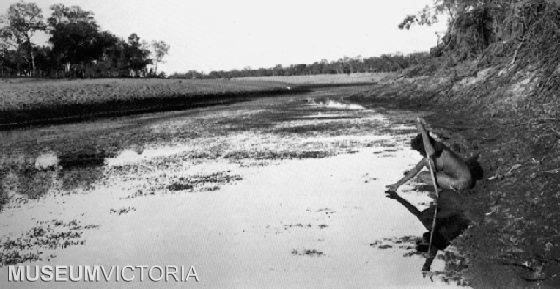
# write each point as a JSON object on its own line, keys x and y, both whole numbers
{"x": 28, "y": 102}
{"x": 326, "y": 79}
{"x": 515, "y": 241}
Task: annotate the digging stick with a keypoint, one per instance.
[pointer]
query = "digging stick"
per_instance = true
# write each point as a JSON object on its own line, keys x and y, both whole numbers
{"x": 432, "y": 174}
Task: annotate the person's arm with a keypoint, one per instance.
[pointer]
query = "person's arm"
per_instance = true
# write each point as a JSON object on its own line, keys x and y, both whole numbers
{"x": 411, "y": 174}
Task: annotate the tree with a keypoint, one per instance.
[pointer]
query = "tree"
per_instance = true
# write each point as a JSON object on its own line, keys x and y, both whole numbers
{"x": 429, "y": 14}
{"x": 21, "y": 22}
{"x": 453, "y": 8}
{"x": 472, "y": 24}
{"x": 74, "y": 35}
{"x": 7, "y": 39}
{"x": 160, "y": 50}
{"x": 133, "y": 39}
{"x": 6, "y": 42}
{"x": 72, "y": 14}
{"x": 137, "y": 54}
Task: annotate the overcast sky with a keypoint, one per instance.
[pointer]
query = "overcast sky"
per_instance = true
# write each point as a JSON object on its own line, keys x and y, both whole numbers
{"x": 233, "y": 34}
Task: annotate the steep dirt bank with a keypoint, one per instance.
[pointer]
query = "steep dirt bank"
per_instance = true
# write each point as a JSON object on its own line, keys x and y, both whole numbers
{"x": 515, "y": 241}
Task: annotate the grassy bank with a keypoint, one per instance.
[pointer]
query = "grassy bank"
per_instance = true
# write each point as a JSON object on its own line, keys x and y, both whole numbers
{"x": 33, "y": 101}
{"x": 26, "y": 101}
{"x": 324, "y": 79}
{"x": 515, "y": 240}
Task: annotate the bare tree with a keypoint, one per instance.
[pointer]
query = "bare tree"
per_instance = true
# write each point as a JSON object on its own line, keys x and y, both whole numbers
{"x": 161, "y": 49}
{"x": 23, "y": 20}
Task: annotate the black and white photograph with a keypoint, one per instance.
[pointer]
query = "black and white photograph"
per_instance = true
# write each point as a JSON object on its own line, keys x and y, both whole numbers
{"x": 279, "y": 144}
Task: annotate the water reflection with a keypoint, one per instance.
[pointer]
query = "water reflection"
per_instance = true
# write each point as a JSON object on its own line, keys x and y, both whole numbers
{"x": 31, "y": 176}
{"x": 84, "y": 158}
{"x": 450, "y": 223}
{"x": 80, "y": 177}
{"x": 26, "y": 177}
{"x": 82, "y": 169}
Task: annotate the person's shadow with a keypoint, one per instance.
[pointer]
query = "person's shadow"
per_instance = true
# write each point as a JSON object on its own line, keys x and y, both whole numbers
{"x": 450, "y": 223}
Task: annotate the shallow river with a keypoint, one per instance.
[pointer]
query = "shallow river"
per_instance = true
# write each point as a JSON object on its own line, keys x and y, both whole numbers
{"x": 277, "y": 192}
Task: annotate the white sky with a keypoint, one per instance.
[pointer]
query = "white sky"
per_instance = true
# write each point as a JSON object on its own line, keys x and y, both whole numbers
{"x": 232, "y": 34}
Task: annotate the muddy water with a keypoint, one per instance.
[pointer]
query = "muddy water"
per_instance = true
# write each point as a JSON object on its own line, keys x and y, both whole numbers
{"x": 283, "y": 192}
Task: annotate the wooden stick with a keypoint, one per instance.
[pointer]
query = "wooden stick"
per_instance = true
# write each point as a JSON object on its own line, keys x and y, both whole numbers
{"x": 432, "y": 174}
{"x": 437, "y": 197}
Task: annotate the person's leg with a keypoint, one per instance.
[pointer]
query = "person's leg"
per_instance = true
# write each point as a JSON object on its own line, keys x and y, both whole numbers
{"x": 445, "y": 181}
{"x": 425, "y": 177}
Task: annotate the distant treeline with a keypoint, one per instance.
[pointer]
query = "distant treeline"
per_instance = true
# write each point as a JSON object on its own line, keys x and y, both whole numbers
{"x": 347, "y": 65}
{"x": 77, "y": 46}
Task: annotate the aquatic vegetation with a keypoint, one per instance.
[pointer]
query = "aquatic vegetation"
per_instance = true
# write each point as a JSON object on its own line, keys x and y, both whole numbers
{"x": 40, "y": 242}
{"x": 307, "y": 252}
{"x": 122, "y": 210}
{"x": 200, "y": 182}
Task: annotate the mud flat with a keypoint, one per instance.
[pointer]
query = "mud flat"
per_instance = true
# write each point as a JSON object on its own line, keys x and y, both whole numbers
{"x": 281, "y": 192}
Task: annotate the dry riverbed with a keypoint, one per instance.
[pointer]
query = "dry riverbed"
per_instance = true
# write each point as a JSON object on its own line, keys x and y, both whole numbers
{"x": 282, "y": 192}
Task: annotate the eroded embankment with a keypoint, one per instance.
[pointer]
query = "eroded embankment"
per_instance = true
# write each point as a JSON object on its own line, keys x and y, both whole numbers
{"x": 515, "y": 241}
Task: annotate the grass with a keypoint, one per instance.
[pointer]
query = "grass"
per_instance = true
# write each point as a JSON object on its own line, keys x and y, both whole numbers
{"x": 29, "y": 101}
{"x": 26, "y": 102}
{"x": 24, "y": 94}
{"x": 353, "y": 78}
{"x": 18, "y": 94}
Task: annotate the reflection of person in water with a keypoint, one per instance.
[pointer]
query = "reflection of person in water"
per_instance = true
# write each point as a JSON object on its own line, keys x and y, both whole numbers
{"x": 450, "y": 223}
{"x": 451, "y": 172}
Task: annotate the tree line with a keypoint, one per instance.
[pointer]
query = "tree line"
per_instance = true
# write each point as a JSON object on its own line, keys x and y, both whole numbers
{"x": 484, "y": 29}
{"x": 345, "y": 65}
{"x": 77, "y": 46}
